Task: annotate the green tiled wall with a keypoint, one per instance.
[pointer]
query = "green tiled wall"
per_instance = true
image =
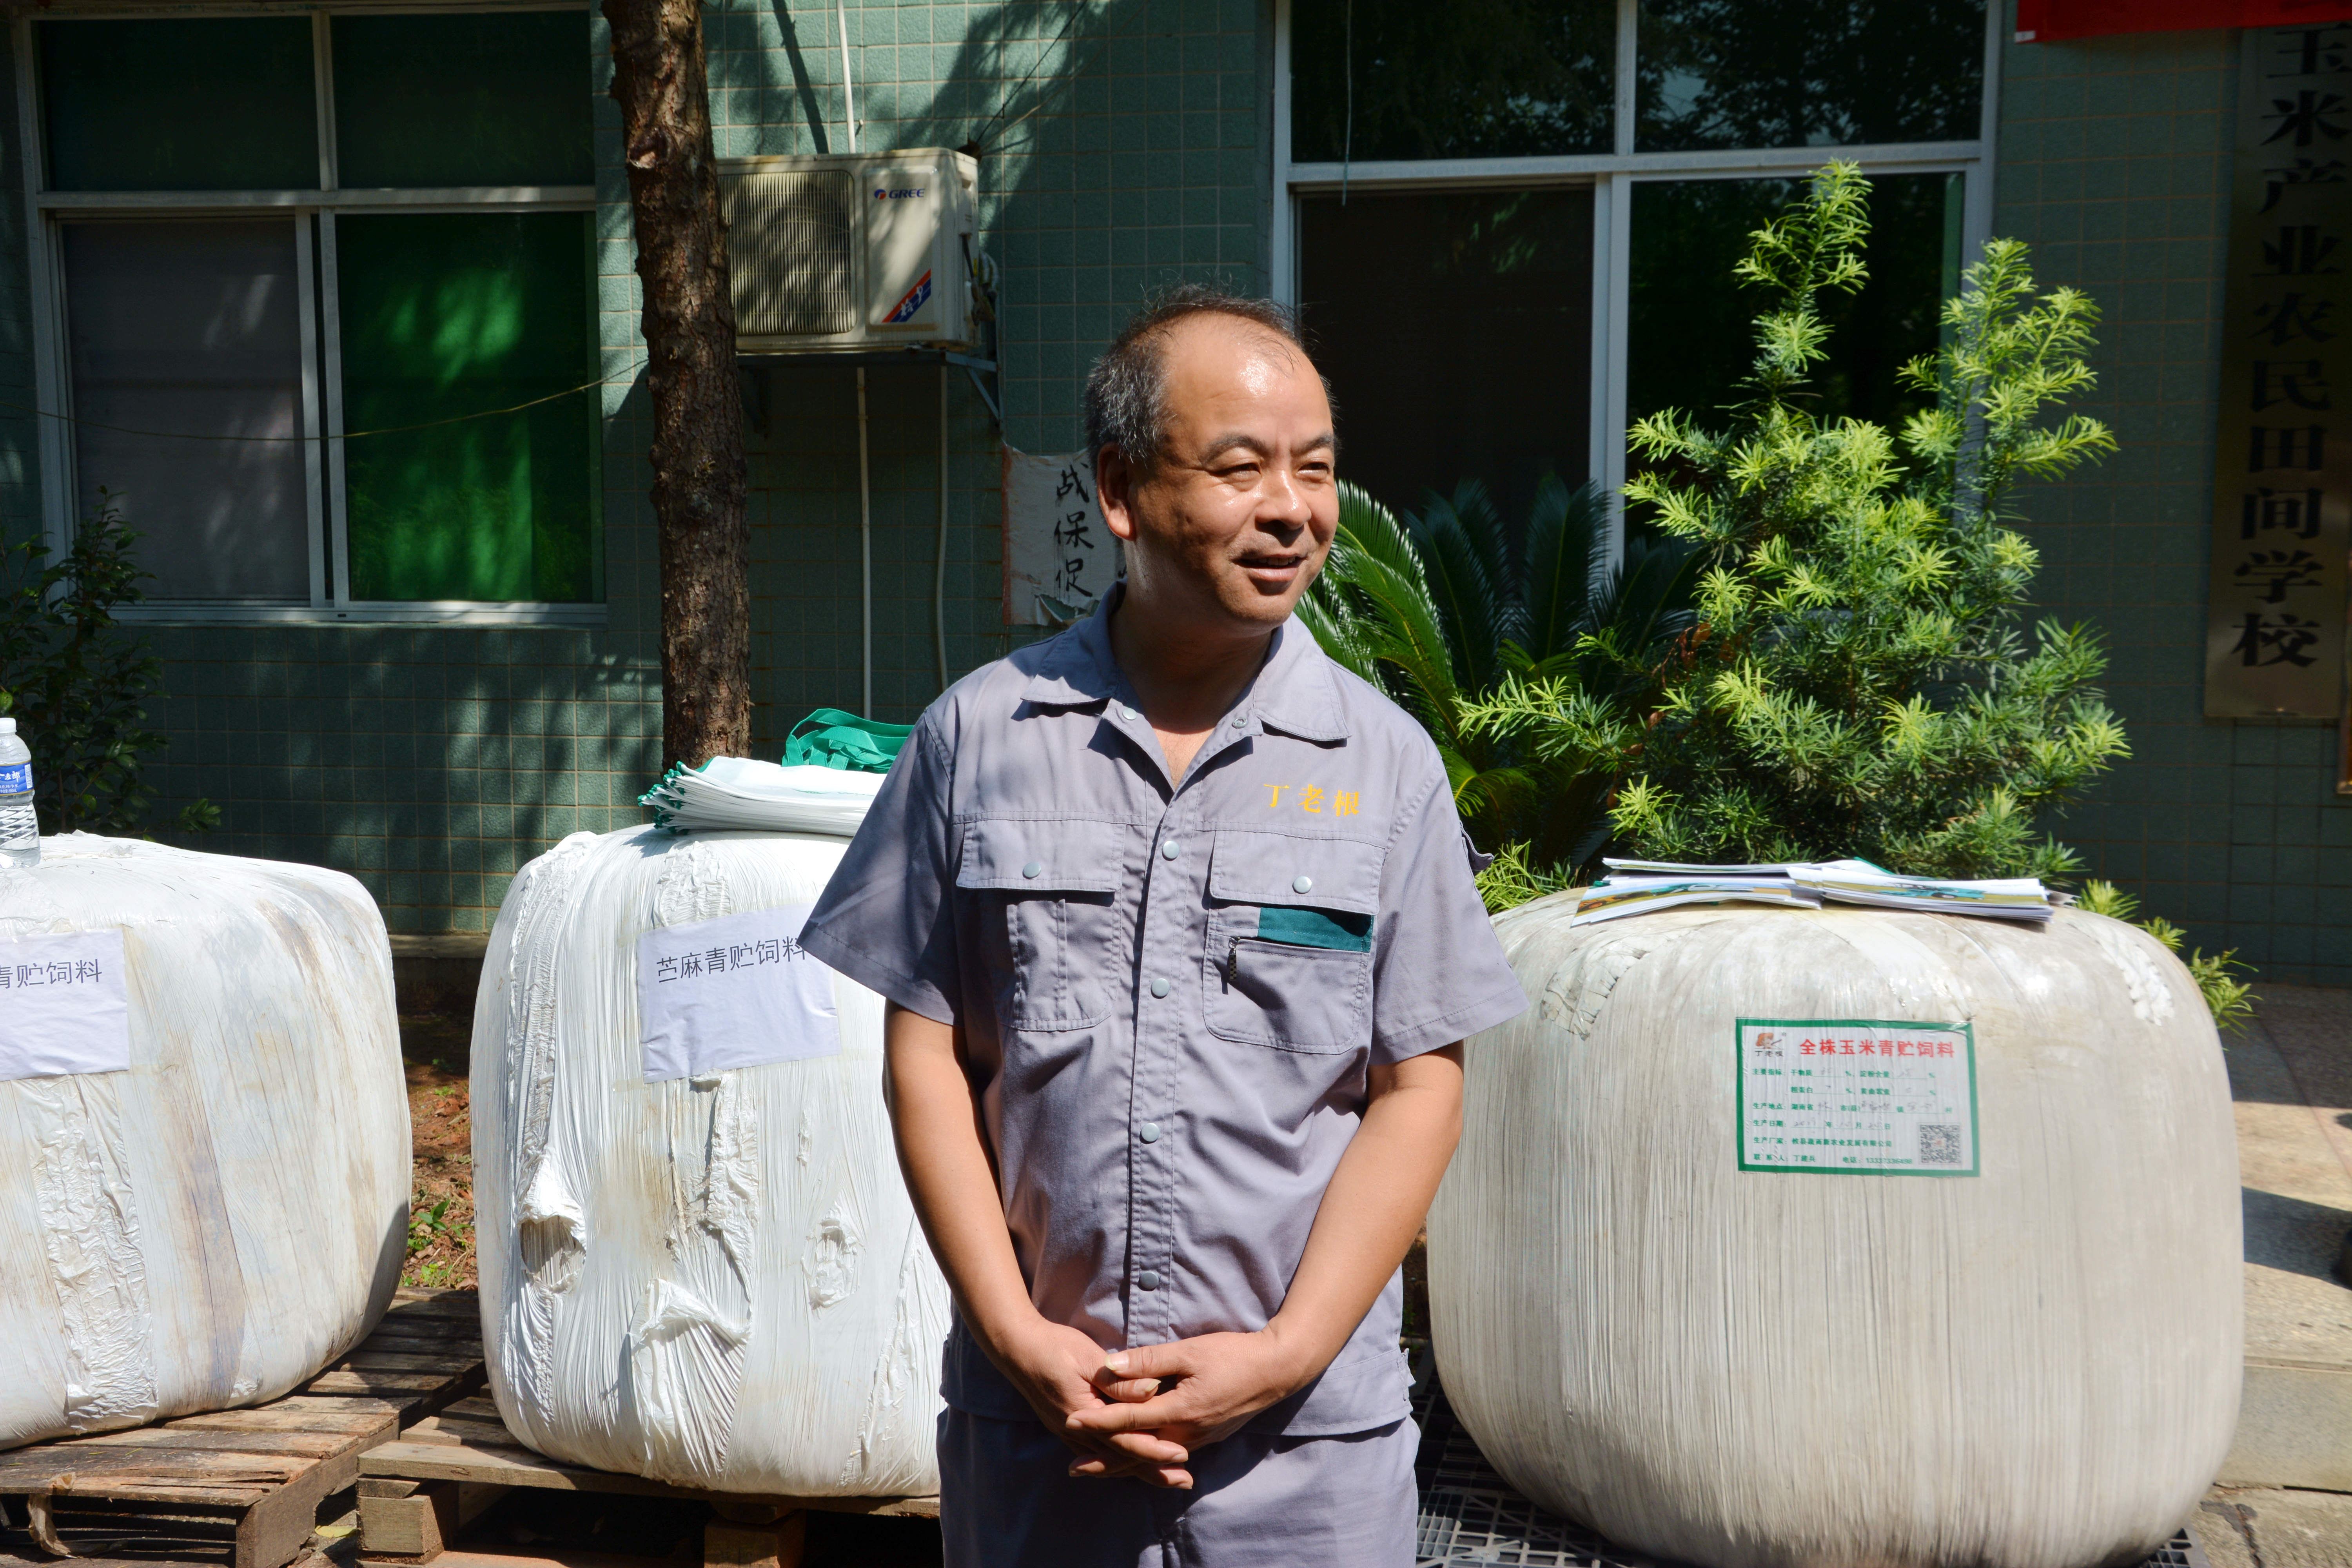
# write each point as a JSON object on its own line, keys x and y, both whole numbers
{"x": 20, "y": 504}
{"x": 428, "y": 763}
{"x": 1128, "y": 152}
{"x": 1128, "y": 148}
{"x": 2114, "y": 164}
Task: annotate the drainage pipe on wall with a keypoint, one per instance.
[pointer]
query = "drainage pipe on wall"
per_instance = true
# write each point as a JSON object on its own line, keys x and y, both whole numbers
{"x": 864, "y": 558}
{"x": 849, "y": 82}
{"x": 940, "y": 565}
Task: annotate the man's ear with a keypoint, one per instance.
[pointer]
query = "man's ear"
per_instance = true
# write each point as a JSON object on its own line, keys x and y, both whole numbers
{"x": 1115, "y": 482}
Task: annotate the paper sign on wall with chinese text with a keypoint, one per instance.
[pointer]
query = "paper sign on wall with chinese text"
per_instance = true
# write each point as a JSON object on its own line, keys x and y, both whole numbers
{"x": 1862, "y": 1096}
{"x": 2283, "y": 453}
{"x": 736, "y": 991}
{"x": 1059, "y": 559}
{"x": 64, "y": 1007}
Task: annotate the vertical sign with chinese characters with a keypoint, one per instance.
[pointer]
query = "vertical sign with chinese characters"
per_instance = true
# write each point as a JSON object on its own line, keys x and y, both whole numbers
{"x": 1862, "y": 1096}
{"x": 1059, "y": 559}
{"x": 2274, "y": 638}
{"x": 64, "y": 1007}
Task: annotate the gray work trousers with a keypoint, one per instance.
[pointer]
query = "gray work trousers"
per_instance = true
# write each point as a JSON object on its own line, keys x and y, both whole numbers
{"x": 1007, "y": 1500}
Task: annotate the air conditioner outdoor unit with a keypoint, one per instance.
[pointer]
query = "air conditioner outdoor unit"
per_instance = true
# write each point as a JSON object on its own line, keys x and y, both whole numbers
{"x": 852, "y": 250}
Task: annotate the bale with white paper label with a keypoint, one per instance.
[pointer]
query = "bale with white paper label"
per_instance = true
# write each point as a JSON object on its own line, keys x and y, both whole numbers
{"x": 204, "y": 1133}
{"x": 698, "y": 1261}
{"x": 1846, "y": 1238}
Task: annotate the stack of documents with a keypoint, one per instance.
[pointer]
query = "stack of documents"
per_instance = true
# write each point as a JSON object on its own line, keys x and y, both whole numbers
{"x": 738, "y": 794}
{"x": 1638, "y": 886}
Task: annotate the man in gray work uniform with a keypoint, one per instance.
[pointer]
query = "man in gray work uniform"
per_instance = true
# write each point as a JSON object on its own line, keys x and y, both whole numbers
{"x": 1178, "y": 928}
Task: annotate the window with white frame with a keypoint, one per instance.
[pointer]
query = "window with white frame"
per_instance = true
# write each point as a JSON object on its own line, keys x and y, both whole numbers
{"x": 315, "y": 291}
{"x": 1510, "y": 225}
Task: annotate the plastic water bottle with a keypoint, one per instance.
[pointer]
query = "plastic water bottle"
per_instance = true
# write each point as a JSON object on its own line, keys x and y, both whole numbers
{"x": 20, "y": 831}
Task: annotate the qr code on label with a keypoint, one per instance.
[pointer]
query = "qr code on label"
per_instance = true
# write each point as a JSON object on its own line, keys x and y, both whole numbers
{"x": 1940, "y": 1144}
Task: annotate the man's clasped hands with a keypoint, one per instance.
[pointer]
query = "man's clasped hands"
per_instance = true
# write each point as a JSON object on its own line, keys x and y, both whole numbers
{"x": 1141, "y": 1412}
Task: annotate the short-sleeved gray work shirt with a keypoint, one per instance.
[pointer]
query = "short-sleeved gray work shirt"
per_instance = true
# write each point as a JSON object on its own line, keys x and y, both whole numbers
{"x": 1170, "y": 994}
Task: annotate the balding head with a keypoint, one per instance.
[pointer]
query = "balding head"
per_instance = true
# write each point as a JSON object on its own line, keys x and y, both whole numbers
{"x": 1215, "y": 467}
{"x": 1127, "y": 406}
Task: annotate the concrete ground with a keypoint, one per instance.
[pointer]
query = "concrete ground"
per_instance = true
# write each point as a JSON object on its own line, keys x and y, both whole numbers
{"x": 2257, "y": 1527}
{"x": 2286, "y": 1500}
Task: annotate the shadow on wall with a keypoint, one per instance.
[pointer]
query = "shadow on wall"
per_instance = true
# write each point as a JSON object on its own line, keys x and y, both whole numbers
{"x": 429, "y": 764}
{"x": 1124, "y": 146}
{"x": 1121, "y": 149}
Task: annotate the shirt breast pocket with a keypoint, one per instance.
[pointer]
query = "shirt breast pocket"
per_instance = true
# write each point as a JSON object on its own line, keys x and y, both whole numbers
{"x": 1289, "y": 960}
{"x": 1053, "y": 884}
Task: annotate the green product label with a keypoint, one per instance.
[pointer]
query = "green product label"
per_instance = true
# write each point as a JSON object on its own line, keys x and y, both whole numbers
{"x": 1863, "y": 1096}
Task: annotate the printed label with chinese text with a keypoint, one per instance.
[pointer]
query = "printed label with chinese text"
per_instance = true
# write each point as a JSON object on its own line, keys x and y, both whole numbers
{"x": 1863, "y": 1096}
{"x": 63, "y": 1006}
{"x": 736, "y": 991}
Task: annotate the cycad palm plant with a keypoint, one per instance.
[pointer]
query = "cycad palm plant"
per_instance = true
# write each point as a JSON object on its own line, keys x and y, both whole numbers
{"x": 1443, "y": 608}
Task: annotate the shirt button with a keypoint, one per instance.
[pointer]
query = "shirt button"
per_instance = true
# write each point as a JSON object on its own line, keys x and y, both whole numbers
{"x": 1159, "y": 987}
{"x": 1149, "y": 1133}
{"x": 1241, "y": 721}
{"x": 1149, "y": 1279}
{"x": 1301, "y": 884}
{"x": 1171, "y": 849}
{"x": 1034, "y": 868}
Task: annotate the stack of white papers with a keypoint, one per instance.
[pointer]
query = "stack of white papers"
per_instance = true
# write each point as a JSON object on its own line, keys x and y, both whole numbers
{"x": 1638, "y": 886}
{"x": 738, "y": 794}
{"x": 1618, "y": 895}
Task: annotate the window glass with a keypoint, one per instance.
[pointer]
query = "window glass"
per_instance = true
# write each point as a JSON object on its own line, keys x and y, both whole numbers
{"x": 1455, "y": 328}
{"x": 487, "y": 98}
{"x": 194, "y": 328}
{"x": 1691, "y": 340}
{"x": 1469, "y": 79}
{"x": 210, "y": 103}
{"x": 1808, "y": 73}
{"x": 447, "y": 314}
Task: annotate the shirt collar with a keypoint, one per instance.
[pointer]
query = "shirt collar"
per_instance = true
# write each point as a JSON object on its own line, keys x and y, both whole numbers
{"x": 1294, "y": 692}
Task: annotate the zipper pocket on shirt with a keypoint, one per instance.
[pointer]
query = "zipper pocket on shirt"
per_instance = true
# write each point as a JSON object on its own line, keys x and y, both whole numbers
{"x": 1294, "y": 997}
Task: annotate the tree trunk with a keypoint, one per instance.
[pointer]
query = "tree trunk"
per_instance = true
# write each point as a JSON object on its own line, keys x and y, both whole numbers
{"x": 690, "y": 330}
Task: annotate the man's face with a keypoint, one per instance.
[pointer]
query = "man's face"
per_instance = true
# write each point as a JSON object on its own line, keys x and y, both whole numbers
{"x": 1236, "y": 521}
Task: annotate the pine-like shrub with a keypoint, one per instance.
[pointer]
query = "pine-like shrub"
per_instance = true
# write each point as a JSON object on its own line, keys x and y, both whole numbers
{"x": 1861, "y": 680}
{"x": 77, "y": 681}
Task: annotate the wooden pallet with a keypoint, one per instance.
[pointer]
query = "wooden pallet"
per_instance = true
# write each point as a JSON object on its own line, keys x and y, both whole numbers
{"x": 416, "y": 1491}
{"x": 240, "y": 1488}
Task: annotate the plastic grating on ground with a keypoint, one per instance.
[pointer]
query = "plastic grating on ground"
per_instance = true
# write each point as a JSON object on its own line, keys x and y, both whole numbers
{"x": 1470, "y": 1517}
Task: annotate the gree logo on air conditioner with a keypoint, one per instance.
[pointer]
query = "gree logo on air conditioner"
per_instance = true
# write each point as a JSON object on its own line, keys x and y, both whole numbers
{"x": 883, "y": 195}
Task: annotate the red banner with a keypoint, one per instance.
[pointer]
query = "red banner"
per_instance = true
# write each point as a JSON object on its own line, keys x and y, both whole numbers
{"x": 2046, "y": 21}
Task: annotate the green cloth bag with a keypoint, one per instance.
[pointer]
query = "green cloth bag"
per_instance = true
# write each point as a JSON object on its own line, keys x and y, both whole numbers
{"x": 829, "y": 738}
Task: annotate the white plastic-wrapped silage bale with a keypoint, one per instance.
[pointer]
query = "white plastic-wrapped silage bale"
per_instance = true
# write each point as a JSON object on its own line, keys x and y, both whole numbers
{"x": 699, "y": 1262}
{"x": 204, "y": 1133}
{"x": 1846, "y": 1238}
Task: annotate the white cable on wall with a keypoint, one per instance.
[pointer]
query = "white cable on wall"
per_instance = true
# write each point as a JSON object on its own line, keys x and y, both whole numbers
{"x": 864, "y": 486}
{"x": 848, "y": 86}
{"x": 864, "y": 558}
{"x": 940, "y": 565}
